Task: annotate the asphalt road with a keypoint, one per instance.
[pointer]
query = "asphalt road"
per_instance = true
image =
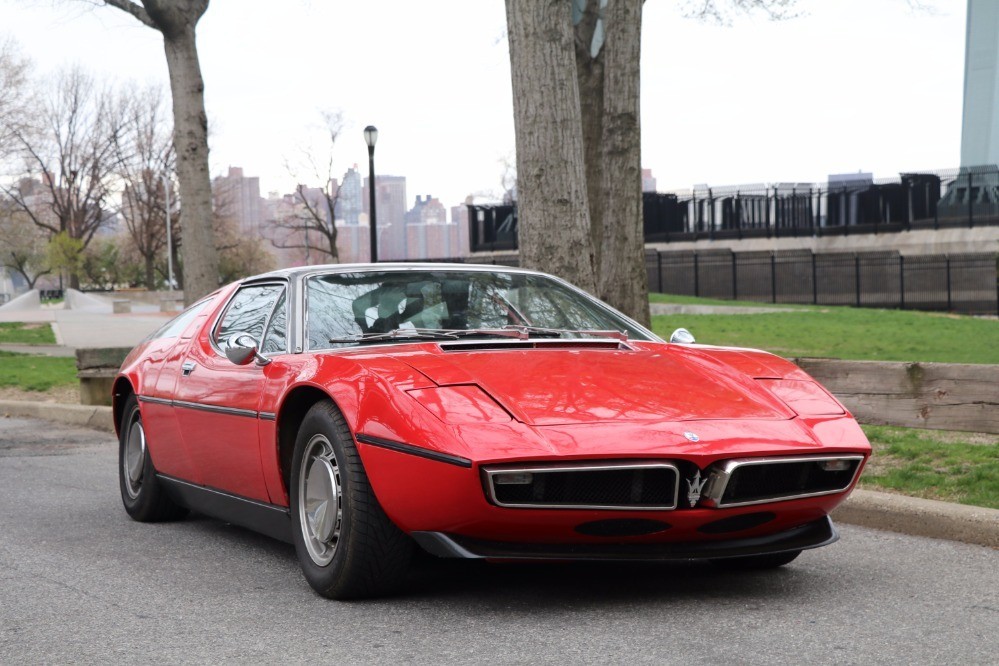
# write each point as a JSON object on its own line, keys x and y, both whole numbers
{"x": 81, "y": 582}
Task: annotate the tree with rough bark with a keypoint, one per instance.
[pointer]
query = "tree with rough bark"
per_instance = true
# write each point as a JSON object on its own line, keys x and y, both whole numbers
{"x": 177, "y": 20}
{"x": 311, "y": 224}
{"x": 576, "y": 98}
{"x": 68, "y": 155}
{"x": 145, "y": 166}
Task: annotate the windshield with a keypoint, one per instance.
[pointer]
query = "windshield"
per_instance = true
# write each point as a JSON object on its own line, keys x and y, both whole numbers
{"x": 399, "y": 306}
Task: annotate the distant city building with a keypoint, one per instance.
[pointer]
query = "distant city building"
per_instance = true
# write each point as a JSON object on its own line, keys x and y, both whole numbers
{"x": 350, "y": 203}
{"x": 390, "y": 207}
{"x": 237, "y": 198}
{"x": 426, "y": 211}
{"x": 648, "y": 181}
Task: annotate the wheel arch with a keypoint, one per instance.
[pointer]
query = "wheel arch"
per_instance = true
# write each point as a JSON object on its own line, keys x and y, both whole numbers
{"x": 289, "y": 418}
{"x": 119, "y": 396}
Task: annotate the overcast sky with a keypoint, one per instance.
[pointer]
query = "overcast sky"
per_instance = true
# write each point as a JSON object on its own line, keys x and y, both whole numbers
{"x": 850, "y": 85}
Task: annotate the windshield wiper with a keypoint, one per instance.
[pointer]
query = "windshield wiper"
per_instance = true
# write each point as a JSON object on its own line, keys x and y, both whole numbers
{"x": 517, "y": 331}
{"x": 400, "y": 334}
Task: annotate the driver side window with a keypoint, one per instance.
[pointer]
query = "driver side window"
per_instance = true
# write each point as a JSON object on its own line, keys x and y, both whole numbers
{"x": 248, "y": 312}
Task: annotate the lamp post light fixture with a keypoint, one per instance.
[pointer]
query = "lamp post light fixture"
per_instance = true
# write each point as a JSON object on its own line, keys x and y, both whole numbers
{"x": 370, "y": 137}
{"x": 169, "y": 240}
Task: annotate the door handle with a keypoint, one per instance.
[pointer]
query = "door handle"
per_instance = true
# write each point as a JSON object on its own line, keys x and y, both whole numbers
{"x": 187, "y": 368}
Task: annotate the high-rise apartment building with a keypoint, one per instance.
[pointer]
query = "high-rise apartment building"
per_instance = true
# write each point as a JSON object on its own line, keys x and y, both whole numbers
{"x": 237, "y": 198}
{"x": 350, "y": 205}
{"x": 390, "y": 208}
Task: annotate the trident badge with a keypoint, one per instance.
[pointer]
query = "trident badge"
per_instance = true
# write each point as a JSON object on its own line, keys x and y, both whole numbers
{"x": 694, "y": 487}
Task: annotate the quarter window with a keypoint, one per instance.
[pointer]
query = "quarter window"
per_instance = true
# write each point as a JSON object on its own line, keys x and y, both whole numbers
{"x": 248, "y": 312}
{"x": 275, "y": 341}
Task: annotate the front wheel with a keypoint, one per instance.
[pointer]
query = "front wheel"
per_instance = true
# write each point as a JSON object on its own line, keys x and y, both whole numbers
{"x": 347, "y": 546}
{"x": 757, "y": 562}
{"x": 143, "y": 495}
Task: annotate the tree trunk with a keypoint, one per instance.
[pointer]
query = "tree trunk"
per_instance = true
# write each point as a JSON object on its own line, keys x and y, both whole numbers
{"x": 150, "y": 272}
{"x": 622, "y": 277}
{"x": 590, "y": 77}
{"x": 201, "y": 268}
{"x": 554, "y": 222}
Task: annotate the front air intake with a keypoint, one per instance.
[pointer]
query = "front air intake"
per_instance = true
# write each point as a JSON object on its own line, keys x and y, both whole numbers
{"x": 759, "y": 480}
{"x": 644, "y": 486}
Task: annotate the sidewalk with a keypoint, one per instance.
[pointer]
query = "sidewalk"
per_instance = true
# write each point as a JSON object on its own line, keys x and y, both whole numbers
{"x": 76, "y": 329}
{"x": 867, "y": 508}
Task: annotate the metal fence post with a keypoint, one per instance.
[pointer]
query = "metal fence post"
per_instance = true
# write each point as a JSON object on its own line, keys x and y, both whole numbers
{"x": 659, "y": 270}
{"x": 815, "y": 282}
{"x": 971, "y": 202}
{"x": 901, "y": 280}
{"x": 949, "y": 302}
{"x": 773, "y": 277}
{"x": 856, "y": 275}
{"x": 735, "y": 281}
{"x": 697, "y": 287}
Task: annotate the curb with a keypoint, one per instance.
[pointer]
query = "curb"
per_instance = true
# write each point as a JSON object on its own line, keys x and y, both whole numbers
{"x": 920, "y": 517}
{"x": 89, "y": 416}
{"x": 865, "y": 508}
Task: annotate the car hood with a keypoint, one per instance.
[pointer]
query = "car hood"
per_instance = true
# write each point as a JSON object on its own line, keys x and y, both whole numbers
{"x": 549, "y": 386}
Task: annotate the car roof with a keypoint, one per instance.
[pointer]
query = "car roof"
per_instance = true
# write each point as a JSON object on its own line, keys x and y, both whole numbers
{"x": 297, "y": 271}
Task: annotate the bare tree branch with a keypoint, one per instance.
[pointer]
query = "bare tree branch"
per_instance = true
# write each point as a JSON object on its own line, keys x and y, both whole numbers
{"x": 135, "y": 10}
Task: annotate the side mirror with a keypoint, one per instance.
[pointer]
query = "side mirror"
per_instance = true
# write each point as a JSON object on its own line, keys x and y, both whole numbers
{"x": 241, "y": 349}
{"x": 681, "y": 336}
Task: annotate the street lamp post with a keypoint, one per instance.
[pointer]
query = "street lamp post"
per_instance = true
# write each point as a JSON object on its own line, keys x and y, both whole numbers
{"x": 166, "y": 195}
{"x": 370, "y": 137}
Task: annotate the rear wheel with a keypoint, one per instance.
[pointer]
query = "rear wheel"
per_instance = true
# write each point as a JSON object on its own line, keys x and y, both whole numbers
{"x": 756, "y": 562}
{"x": 347, "y": 546}
{"x": 142, "y": 494}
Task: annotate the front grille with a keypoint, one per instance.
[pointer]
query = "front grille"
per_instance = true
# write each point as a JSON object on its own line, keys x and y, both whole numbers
{"x": 645, "y": 486}
{"x": 749, "y": 481}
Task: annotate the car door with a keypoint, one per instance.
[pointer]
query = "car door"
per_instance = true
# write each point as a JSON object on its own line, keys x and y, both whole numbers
{"x": 217, "y": 402}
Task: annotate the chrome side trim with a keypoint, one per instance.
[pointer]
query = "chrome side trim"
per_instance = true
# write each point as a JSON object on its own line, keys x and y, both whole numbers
{"x": 720, "y": 474}
{"x": 490, "y": 472}
{"x": 216, "y": 409}
{"x": 229, "y": 411}
{"x": 156, "y": 401}
{"x": 414, "y": 450}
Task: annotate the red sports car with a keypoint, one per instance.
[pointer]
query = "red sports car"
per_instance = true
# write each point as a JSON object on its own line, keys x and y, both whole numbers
{"x": 474, "y": 412}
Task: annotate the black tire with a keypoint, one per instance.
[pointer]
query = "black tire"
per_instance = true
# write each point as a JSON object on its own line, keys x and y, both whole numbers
{"x": 143, "y": 495}
{"x": 757, "y": 562}
{"x": 347, "y": 546}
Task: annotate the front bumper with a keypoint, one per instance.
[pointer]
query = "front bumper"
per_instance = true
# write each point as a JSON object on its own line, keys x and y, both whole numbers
{"x": 818, "y": 533}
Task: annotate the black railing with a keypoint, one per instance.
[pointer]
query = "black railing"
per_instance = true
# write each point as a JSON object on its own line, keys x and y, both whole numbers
{"x": 966, "y": 197}
{"x": 958, "y": 282}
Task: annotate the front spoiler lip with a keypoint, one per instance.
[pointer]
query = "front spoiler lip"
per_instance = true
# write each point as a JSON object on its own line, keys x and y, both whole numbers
{"x": 818, "y": 533}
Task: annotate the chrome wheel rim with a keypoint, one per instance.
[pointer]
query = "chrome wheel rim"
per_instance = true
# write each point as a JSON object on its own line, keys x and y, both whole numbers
{"x": 320, "y": 510}
{"x": 134, "y": 459}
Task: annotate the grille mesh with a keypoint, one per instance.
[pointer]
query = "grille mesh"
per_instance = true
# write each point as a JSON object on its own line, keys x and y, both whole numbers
{"x": 623, "y": 487}
{"x": 776, "y": 480}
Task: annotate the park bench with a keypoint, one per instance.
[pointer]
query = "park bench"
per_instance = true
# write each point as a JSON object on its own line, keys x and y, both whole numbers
{"x": 96, "y": 370}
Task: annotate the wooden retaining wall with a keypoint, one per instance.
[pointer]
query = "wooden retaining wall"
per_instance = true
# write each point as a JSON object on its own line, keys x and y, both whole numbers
{"x": 941, "y": 396}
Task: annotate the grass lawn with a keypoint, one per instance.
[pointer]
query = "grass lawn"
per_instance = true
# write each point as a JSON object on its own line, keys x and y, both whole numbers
{"x": 842, "y": 332}
{"x": 949, "y": 466}
{"x": 26, "y": 334}
{"x": 30, "y": 372}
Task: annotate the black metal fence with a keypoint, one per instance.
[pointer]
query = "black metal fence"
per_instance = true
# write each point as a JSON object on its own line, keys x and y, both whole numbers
{"x": 966, "y": 197}
{"x": 963, "y": 283}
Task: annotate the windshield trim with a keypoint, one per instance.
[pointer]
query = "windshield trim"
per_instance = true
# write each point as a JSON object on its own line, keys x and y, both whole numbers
{"x": 303, "y": 281}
